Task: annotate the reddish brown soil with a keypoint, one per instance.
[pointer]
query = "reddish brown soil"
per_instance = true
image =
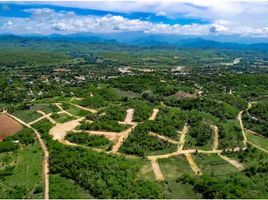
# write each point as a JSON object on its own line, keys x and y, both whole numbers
{"x": 8, "y": 126}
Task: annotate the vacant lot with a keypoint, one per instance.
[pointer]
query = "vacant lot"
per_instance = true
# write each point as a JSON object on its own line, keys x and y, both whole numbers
{"x": 8, "y": 126}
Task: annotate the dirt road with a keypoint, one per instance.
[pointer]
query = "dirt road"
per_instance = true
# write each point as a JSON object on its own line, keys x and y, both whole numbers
{"x": 129, "y": 116}
{"x": 182, "y": 138}
{"x": 157, "y": 171}
{"x": 59, "y": 131}
{"x": 123, "y": 136}
{"x": 235, "y": 163}
{"x": 47, "y": 116}
{"x": 154, "y": 114}
{"x": 163, "y": 138}
{"x": 192, "y": 164}
{"x": 62, "y": 110}
{"x": 239, "y": 118}
{"x": 84, "y": 108}
{"x": 45, "y": 151}
{"x": 258, "y": 147}
{"x": 216, "y": 137}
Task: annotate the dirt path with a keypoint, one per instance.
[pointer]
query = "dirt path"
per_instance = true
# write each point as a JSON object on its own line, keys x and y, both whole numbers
{"x": 249, "y": 107}
{"x": 182, "y": 138}
{"x": 73, "y": 98}
{"x": 239, "y": 118}
{"x": 192, "y": 164}
{"x": 235, "y": 163}
{"x": 216, "y": 137}
{"x": 37, "y": 120}
{"x": 157, "y": 171}
{"x": 84, "y": 108}
{"x": 47, "y": 116}
{"x": 45, "y": 151}
{"x": 123, "y": 136}
{"x": 163, "y": 138}
{"x": 255, "y": 133}
{"x": 129, "y": 116}
{"x": 62, "y": 110}
{"x": 258, "y": 147}
{"x": 154, "y": 114}
{"x": 59, "y": 131}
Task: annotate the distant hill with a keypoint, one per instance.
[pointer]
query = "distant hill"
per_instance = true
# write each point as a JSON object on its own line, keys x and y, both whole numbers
{"x": 133, "y": 39}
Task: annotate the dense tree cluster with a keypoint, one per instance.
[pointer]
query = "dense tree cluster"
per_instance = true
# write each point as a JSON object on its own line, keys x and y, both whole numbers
{"x": 104, "y": 176}
{"x": 250, "y": 183}
{"x": 257, "y": 118}
{"x": 221, "y": 110}
{"x": 86, "y": 139}
{"x": 141, "y": 143}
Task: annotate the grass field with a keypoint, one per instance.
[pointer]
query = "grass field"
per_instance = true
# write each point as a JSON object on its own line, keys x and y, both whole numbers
{"x": 258, "y": 140}
{"x": 47, "y": 108}
{"x": 62, "y": 118}
{"x": 26, "y": 180}
{"x": 74, "y": 110}
{"x": 174, "y": 190}
{"x": 213, "y": 164}
{"x": 62, "y": 188}
{"x": 172, "y": 168}
{"x": 146, "y": 172}
{"x": 27, "y": 115}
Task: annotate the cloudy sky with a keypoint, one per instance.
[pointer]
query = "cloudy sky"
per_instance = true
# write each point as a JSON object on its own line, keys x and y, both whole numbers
{"x": 182, "y": 17}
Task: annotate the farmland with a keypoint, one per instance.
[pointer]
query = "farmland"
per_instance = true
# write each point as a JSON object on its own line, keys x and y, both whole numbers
{"x": 8, "y": 126}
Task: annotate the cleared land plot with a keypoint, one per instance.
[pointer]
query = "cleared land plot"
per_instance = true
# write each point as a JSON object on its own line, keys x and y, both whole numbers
{"x": 62, "y": 117}
{"x": 26, "y": 180}
{"x": 8, "y": 126}
{"x": 213, "y": 164}
{"x": 47, "y": 108}
{"x": 27, "y": 115}
{"x": 146, "y": 172}
{"x": 74, "y": 110}
{"x": 172, "y": 168}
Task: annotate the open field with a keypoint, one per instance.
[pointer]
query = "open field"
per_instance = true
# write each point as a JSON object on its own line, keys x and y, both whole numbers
{"x": 26, "y": 180}
{"x": 258, "y": 140}
{"x": 8, "y": 126}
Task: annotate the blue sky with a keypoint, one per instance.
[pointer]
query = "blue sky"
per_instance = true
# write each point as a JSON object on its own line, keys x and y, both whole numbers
{"x": 182, "y": 17}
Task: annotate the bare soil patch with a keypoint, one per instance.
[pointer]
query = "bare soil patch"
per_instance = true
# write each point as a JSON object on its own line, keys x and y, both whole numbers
{"x": 8, "y": 126}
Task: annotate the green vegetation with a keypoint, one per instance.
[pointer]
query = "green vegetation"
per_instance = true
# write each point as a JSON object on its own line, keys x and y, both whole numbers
{"x": 21, "y": 167}
{"x": 189, "y": 87}
{"x": 105, "y": 176}
{"x": 86, "y": 139}
{"x": 141, "y": 143}
{"x": 212, "y": 164}
{"x": 230, "y": 134}
{"x": 62, "y": 188}
{"x": 258, "y": 140}
{"x": 257, "y": 118}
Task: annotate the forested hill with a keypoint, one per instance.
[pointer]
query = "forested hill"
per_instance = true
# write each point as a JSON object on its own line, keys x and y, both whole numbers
{"x": 144, "y": 40}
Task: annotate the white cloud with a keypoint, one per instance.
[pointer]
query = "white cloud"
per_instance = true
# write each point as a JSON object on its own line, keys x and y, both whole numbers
{"x": 161, "y": 13}
{"x": 48, "y": 21}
